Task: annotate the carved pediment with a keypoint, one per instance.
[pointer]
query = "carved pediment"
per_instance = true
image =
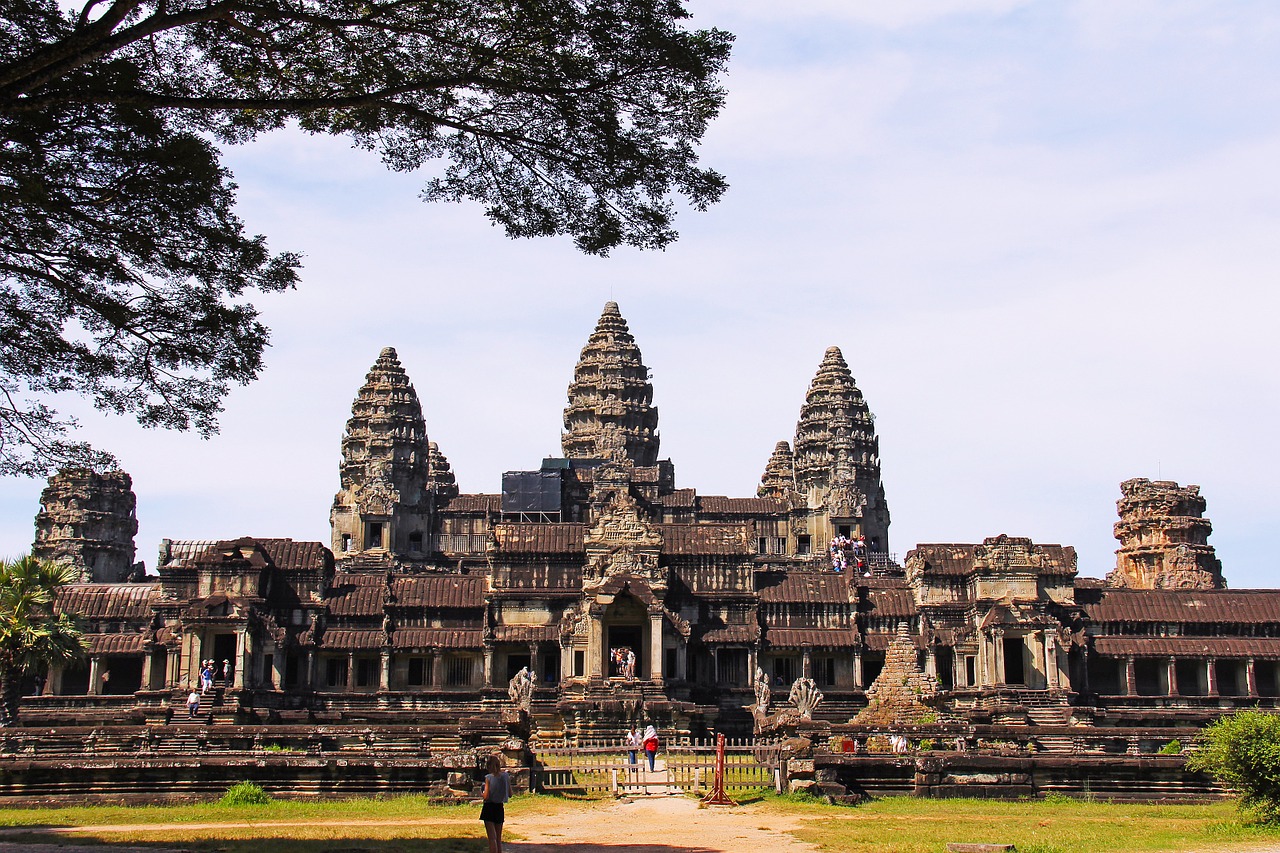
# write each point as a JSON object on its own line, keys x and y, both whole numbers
{"x": 621, "y": 524}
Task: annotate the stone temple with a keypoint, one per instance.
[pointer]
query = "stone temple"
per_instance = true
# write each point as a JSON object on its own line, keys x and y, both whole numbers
{"x": 426, "y": 602}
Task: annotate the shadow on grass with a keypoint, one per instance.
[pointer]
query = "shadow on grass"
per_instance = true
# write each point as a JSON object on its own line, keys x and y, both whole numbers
{"x": 32, "y": 840}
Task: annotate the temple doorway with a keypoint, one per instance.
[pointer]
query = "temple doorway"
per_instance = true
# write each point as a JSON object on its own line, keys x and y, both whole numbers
{"x": 625, "y": 637}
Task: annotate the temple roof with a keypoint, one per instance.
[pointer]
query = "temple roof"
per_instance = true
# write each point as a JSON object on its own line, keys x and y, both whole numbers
{"x": 817, "y": 587}
{"x": 1176, "y": 605}
{"x": 105, "y": 600}
{"x": 1189, "y": 647}
{"x": 610, "y": 413}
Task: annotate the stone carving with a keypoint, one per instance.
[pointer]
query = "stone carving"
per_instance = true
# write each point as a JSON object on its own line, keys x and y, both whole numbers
{"x": 520, "y": 689}
{"x": 806, "y": 696}
{"x": 622, "y": 542}
{"x": 610, "y": 413}
{"x": 836, "y": 446}
{"x": 1164, "y": 538}
{"x": 388, "y": 466}
{"x": 88, "y": 519}
{"x": 1004, "y": 553}
{"x": 763, "y": 693}
{"x": 902, "y": 693}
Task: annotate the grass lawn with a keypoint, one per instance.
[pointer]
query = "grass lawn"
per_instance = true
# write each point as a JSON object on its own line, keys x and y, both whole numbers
{"x": 395, "y": 825}
{"x": 908, "y": 825}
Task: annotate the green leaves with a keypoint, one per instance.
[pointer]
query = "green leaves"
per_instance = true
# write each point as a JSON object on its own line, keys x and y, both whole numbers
{"x": 122, "y": 265}
{"x": 1242, "y": 751}
{"x": 32, "y": 634}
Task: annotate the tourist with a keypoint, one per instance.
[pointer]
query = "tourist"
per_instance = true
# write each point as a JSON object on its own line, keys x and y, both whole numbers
{"x": 193, "y": 704}
{"x": 631, "y": 664}
{"x": 634, "y": 741}
{"x": 496, "y": 792}
{"x": 206, "y": 677}
{"x": 650, "y": 744}
{"x": 227, "y": 672}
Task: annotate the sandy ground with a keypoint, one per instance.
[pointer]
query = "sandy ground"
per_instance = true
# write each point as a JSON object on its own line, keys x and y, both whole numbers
{"x": 643, "y": 825}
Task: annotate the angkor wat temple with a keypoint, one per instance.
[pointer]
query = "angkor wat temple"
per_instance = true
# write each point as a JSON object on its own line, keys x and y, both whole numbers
{"x": 426, "y": 602}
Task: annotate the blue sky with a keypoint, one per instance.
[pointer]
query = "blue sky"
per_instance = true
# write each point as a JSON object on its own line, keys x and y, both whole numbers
{"x": 1043, "y": 234}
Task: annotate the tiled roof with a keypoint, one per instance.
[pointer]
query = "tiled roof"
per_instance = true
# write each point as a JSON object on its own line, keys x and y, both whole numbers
{"x": 732, "y": 634}
{"x": 286, "y": 554}
{"x": 891, "y": 601}
{"x": 721, "y": 505}
{"x": 115, "y": 644}
{"x": 1189, "y": 647}
{"x": 692, "y": 539}
{"x": 351, "y": 640}
{"x": 880, "y": 642}
{"x": 541, "y": 538}
{"x": 105, "y": 601}
{"x": 1189, "y": 606}
{"x": 795, "y": 637}
{"x": 957, "y": 559}
{"x": 357, "y": 595}
{"x": 826, "y": 587}
{"x": 436, "y": 638}
{"x": 526, "y": 633}
{"x": 439, "y": 591}
{"x": 678, "y": 498}
{"x": 474, "y": 503}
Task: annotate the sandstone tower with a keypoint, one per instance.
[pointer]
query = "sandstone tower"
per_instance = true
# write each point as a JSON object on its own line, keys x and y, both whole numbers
{"x": 384, "y": 506}
{"x": 1164, "y": 538}
{"x": 837, "y": 456}
{"x": 611, "y": 413}
{"x": 88, "y": 520}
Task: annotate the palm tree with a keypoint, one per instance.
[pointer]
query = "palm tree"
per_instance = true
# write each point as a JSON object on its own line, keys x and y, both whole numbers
{"x": 32, "y": 635}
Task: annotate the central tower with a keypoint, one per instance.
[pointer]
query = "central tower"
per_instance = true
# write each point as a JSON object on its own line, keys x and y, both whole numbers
{"x": 611, "y": 413}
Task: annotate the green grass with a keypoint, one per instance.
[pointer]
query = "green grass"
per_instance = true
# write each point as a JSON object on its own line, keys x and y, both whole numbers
{"x": 1060, "y": 825}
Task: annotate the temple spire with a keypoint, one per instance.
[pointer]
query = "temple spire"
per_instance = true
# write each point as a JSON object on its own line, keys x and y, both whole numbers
{"x": 385, "y": 467}
{"x": 837, "y": 452}
{"x": 779, "y": 479}
{"x": 610, "y": 413}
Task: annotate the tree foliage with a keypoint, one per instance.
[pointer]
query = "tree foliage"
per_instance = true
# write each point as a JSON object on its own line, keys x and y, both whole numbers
{"x": 32, "y": 635}
{"x": 123, "y": 269}
{"x": 1242, "y": 751}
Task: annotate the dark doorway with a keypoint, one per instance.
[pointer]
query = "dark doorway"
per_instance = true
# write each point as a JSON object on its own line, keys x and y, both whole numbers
{"x": 550, "y": 671}
{"x": 124, "y": 675}
{"x": 224, "y": 648}
{"x": 1148, "y": 676}
{"x": 626, "y": 637}
{"x": 944, "y": 660}
{"x": 1014, "y": 671}
{"x": 515, "y": 663}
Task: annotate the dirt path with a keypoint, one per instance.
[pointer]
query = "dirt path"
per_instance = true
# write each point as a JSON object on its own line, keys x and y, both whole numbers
{"x": 643, "y": 825}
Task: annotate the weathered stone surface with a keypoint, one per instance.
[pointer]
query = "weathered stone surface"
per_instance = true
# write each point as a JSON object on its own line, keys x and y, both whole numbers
{"x": 902, "y": 694}
{"x": 88, "y": 520}
{"x": 611, "y": 413}
{"x": 837, "y": 452}
{"x": 1164, "y": 538}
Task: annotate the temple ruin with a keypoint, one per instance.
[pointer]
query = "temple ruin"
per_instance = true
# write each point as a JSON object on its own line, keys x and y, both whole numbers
{"x": 426, "y": 603}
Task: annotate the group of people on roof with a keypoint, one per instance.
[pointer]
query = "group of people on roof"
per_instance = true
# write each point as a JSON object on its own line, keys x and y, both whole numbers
{"x": 843, "y": 548}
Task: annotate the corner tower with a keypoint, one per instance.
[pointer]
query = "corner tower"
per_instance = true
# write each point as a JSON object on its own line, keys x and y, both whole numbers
{"x": 837, "y": 456}
{"x": 611, "y": 413}
{"x": 383, "y": 509}
{"x": 89, "y": 520}
{"x": 1164, "y": 538}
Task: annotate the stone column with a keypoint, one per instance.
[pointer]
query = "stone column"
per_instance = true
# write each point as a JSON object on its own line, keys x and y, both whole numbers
{"x": 682, "y": 660}
{"x": 566, "y": 660}
{"x": 1052, "y": 672}
{"x": 534, "y": 667}
{"x": 753, "y": 661}
{"x": 95, "y": 675}
{"x": 655, "y": 646}
{"x": 1211, "y": 675}
{"x": 1172, "y": 668}
{"x": 857, "y": 670}
{"x": 931, "y": 661}
{"x": 241, "y": 659}
{"x": 309, "y": 669}
{"x": 437, "y": 668}
{"x": 1251, "y": 676}
{"x": 1084, "y": 667}
{"x": 595, "y": 643}
{"x": 190, "y": 666}
{"x": 278, "y": 663}
{"x": 997, "y": 648}
{"x": 1130, "y": 679}
{"x": 174, "y": 678}
{"x": 149, "y": 665}
{"x": 488, "y": 664}
{"x": 351, "y": 672}
{"x": 806, "y": 663}
{"x": 715, "y": 665}
{"x": 384, "y": 678}
{"x": 52, "y": 682}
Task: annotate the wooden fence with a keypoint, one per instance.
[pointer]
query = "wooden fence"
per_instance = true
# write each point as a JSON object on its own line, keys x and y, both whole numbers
{"x": 605, "y": 767}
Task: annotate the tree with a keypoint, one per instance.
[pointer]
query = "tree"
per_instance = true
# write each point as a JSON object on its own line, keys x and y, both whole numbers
{"x": 1242, "y": 751}
{"x": 32, "y": 635}
{"x": 123, "y": 269}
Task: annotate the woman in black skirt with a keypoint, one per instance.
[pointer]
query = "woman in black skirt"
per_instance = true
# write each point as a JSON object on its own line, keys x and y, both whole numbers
{"x": 497, "y": 790}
